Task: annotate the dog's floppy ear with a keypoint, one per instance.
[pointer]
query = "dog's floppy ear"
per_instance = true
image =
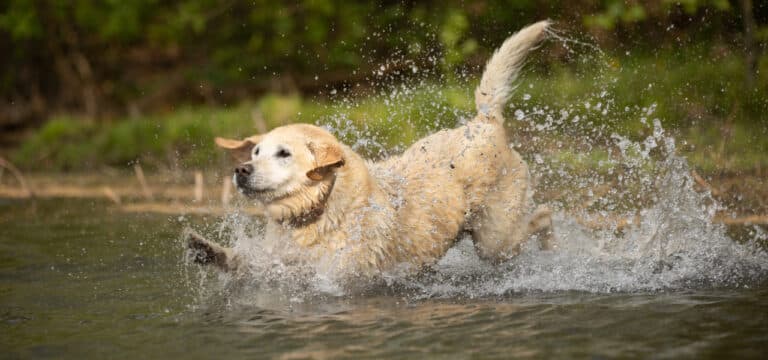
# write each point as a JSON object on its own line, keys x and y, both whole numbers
{"x": 239, "y": 149}
{"x": 327, "y": 157}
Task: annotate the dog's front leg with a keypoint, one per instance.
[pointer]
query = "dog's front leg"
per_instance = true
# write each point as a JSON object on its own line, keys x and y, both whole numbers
{"x": 207, "y": 252}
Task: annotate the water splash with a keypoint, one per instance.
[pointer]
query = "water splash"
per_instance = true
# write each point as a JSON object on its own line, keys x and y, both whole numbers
{"x": 670, "y": 244}
{"x": 628, "y": 219}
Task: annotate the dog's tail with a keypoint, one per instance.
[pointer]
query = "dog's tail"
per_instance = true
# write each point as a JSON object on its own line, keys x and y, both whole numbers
{"x": 502, "y": 69}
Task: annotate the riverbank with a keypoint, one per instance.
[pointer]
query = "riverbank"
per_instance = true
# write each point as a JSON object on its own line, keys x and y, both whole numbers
{"x": 745, "y": 198}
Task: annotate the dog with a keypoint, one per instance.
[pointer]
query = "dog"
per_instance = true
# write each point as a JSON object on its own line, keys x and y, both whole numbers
{"x": 327, "y": 207}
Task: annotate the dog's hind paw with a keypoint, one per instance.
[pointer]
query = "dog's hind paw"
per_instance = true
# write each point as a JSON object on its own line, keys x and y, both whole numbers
{"x": 540, "y": 225}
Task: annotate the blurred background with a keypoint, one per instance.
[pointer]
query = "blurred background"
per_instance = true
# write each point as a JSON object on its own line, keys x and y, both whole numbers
{"x": 644, "y": 124}
{"x": 106, "y": 84}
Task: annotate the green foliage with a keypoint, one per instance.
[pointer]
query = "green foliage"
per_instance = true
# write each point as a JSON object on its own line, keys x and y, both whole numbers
{"x": 452, "y": 34}
{"x": 123, "y": 50}
{"x": 616, "y": 12}
{"x": 692, "y": 6}
{"x": 689, "y": 94}
{"x": 20, "y": 20}
{"x": 63, "y": 142}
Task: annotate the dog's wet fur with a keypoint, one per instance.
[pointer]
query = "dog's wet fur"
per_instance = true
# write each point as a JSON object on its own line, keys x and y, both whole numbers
{"x": 327, "y": 207}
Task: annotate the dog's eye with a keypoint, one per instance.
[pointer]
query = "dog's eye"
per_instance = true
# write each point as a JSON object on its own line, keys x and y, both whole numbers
{"x": 256, "y": 151}
{"x": 282, "y": 153}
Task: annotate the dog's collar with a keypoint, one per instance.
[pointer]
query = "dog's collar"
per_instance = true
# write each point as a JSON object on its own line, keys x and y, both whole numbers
{"x": 313, "y": 214}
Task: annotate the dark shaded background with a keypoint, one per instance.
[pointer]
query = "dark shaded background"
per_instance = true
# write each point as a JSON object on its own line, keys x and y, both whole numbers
{"x": 106, "y": 58}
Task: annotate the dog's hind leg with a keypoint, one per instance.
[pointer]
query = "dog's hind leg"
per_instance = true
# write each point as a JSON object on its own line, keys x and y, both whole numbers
{"x": 505, "y": 221}
{"x": 501, "y": 231}
{"x": 207, "y": 252}
{"x": 501, "y": 225}
{"x": 540, "y": 225}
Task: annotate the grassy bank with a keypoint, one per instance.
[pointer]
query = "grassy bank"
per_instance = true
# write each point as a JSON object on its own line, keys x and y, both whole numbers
{"x": 698, "y": 97}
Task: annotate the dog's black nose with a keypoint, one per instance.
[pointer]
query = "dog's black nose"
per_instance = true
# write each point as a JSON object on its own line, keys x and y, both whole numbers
{"x": 244, "y": 170}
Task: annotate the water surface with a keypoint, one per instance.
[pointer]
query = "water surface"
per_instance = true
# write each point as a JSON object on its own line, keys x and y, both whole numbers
{"x": 80, "y": 279}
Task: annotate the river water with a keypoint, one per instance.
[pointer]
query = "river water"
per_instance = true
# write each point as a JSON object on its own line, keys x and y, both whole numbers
{"x": 81, "y": 279}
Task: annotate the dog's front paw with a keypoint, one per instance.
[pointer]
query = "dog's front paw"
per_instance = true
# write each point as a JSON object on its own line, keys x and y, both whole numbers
{"x": 204, "y": 252}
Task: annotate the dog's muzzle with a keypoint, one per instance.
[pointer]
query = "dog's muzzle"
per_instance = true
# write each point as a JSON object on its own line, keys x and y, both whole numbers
{"x": 242, "y": 174}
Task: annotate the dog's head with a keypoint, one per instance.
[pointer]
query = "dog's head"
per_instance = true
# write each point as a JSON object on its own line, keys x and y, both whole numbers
{"x": 284, "y": 162}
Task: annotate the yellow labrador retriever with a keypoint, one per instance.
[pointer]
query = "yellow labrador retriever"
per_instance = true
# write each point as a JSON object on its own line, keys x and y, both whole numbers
{"x": 330, "y": 208}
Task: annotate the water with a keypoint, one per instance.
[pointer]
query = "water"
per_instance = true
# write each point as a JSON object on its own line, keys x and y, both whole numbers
{"x": 80, "y": 279}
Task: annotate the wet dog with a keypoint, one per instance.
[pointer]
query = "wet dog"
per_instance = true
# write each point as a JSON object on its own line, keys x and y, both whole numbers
{"x": 327, "y": 207}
